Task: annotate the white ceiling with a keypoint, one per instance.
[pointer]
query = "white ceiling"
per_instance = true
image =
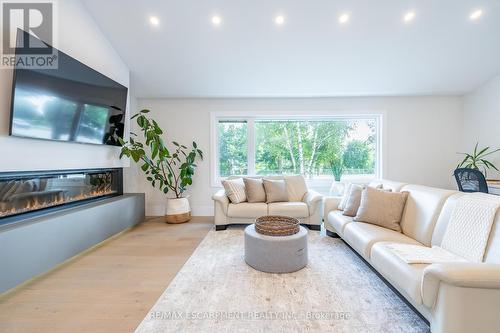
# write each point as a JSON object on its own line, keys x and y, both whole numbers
{"x": 440, "y": 52}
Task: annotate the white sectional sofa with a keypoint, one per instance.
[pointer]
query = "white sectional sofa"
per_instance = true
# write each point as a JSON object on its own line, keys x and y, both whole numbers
{"x": 308, "y": 211}
{"x": 453, "y": 297}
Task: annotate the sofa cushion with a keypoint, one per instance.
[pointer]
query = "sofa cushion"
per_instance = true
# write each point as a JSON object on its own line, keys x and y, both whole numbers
{"x": 296, "y": 187}
{"x": 338, "y": 221}
{"x": 362, "y": 236}
{"x": 382, "y": 208}
{"x": 235, "y": 190}
{"x": 405, "y": 277}
{"x": 254, "y": 189}
{"x": 275, "y": 190}
{"x": 247, "y": 210}
{"x": 422, "y": 210}
{"x": 292, "y": 209}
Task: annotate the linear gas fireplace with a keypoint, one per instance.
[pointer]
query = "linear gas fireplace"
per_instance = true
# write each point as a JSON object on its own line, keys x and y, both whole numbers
{"x": 26, "y": 194}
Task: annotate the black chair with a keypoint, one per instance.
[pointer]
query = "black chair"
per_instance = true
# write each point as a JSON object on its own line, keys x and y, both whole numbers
{"x": 471, "y": 180}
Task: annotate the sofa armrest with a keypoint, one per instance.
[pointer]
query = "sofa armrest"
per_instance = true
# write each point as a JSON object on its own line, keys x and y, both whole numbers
{"x": 465, "y": 275}
{"x": 221, "y": 199}
{"x": 313, "y": 199}
{"x": 329, "y": 204}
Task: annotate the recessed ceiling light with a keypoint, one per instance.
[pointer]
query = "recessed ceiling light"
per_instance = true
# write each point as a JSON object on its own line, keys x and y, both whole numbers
{"x": 279, "y": 20}
{"x": 476, "y": 14}
{"x": 216, "y": 20}
{"x": 410, "y": 16}
{"x": 344, "y": 18}
{"x": 154, "y": 20}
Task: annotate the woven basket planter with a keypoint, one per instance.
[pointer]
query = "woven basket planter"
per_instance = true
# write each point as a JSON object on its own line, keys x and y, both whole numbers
{"x": 277, "y": 225}
{"x": 178, "y": 211}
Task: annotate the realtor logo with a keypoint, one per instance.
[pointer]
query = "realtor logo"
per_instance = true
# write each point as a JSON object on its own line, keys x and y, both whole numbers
{"x": 28, "y": 35}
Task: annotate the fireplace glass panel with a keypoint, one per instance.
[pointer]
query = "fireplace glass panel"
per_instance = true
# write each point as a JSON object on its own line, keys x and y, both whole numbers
{"x": 31, "y": 192}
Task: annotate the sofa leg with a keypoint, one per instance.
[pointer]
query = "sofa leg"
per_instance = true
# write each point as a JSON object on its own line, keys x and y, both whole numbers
{"x": 332, "y": 234}
{"x": 220, "y": 227}
{"x": 313, "y": 227}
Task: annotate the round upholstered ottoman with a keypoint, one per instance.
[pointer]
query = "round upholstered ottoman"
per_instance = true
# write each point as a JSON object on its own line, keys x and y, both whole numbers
{"x": 275, "y": 254}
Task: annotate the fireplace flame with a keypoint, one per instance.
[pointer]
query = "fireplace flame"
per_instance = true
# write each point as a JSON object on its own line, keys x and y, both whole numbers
{"x": 36, "y": 204}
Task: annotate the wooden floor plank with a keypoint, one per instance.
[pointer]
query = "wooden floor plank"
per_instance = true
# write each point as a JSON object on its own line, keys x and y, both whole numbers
{"x": 109, "y": 289}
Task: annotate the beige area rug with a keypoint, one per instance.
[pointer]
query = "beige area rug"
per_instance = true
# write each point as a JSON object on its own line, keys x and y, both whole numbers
{"x": 216, "y": 291}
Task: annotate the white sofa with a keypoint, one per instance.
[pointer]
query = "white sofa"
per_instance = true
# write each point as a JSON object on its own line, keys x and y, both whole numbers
{"x": 308, "y": 211}
{"x": 453, "y": 297}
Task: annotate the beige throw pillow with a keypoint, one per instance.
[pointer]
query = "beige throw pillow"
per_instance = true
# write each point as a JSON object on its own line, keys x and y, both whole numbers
{"x": 235, "y": 190}
{"x": 254, "y": 188}
{"x": 275, "y": 190}
{"x": 296, "y": 187}
{"x": 353, "y": 200}
{"x": 382, "y": 208}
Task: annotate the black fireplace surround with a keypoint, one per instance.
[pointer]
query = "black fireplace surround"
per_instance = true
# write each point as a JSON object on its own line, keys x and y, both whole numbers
{"x": 28, "y": 194}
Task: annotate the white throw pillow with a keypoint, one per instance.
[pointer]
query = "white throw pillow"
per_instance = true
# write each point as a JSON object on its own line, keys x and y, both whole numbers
{"x": 296, "y": 187}
{"x": 235, "y": 190}
{"x": 345, "y": 197}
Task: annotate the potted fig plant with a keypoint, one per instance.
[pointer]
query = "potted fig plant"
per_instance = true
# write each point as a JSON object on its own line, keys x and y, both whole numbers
{"x": 171, "y": 171}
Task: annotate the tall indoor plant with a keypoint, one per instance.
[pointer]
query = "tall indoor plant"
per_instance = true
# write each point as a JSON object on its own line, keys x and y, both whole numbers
{"x": 337, "y": 168}
{"x": 477, "y": 160}
{"x": 169, "y": 171}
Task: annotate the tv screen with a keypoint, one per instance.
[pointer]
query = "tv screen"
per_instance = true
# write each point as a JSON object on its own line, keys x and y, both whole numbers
{"x": 71, "y": 103}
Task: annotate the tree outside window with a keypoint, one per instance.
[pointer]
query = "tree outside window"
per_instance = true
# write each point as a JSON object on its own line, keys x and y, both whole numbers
{"x": 314, "y": 148}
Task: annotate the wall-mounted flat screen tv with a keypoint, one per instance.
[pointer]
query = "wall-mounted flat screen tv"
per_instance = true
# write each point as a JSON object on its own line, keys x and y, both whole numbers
{"x": 71, "y": 103}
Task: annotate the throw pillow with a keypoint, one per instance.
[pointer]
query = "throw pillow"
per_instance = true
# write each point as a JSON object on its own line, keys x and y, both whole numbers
{"x": 254, "y": 188}
{"x": 235, "y": 190}
{"x": 296, "y": 187}
{"x": 382, "y": 208}
{"x": 345, "y": 196}
{"x": 353, "y": 200}
{"x": 275, "y": 190}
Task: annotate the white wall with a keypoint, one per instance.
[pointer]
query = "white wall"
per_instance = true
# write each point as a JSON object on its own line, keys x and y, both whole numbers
{"x": 482, "y": 120}
{"x": 78, "y": 36}
{"x": 421, "y": 136}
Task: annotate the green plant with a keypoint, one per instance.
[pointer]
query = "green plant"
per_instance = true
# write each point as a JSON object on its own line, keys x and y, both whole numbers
{"x": 477, "y": 160}
{"x": 165, "y": 170}
{"x": 337, "y": 167}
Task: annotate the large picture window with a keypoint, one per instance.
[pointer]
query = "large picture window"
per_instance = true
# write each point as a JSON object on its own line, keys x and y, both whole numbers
{"x": 319, "y": 148}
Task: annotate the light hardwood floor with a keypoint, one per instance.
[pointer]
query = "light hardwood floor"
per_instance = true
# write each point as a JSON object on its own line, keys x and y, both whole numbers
{"x": 108, "y": 289}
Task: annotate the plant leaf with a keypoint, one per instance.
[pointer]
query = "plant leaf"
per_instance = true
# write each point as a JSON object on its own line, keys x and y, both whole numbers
{"x": 482, "y": 151}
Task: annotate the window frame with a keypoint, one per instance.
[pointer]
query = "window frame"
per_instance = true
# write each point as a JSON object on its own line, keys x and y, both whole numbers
{"x": 251, "y": 117}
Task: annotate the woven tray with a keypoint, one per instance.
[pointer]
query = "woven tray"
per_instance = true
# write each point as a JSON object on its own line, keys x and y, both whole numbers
{"x": 277, "y": 225}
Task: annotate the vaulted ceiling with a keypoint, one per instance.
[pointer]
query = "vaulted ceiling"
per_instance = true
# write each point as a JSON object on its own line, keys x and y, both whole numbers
{"x": 375, "y": 52}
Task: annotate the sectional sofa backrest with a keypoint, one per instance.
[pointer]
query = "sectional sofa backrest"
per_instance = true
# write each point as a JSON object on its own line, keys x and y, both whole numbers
{"x": 492, "y": 254}
{"x": 422, "y": 211}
